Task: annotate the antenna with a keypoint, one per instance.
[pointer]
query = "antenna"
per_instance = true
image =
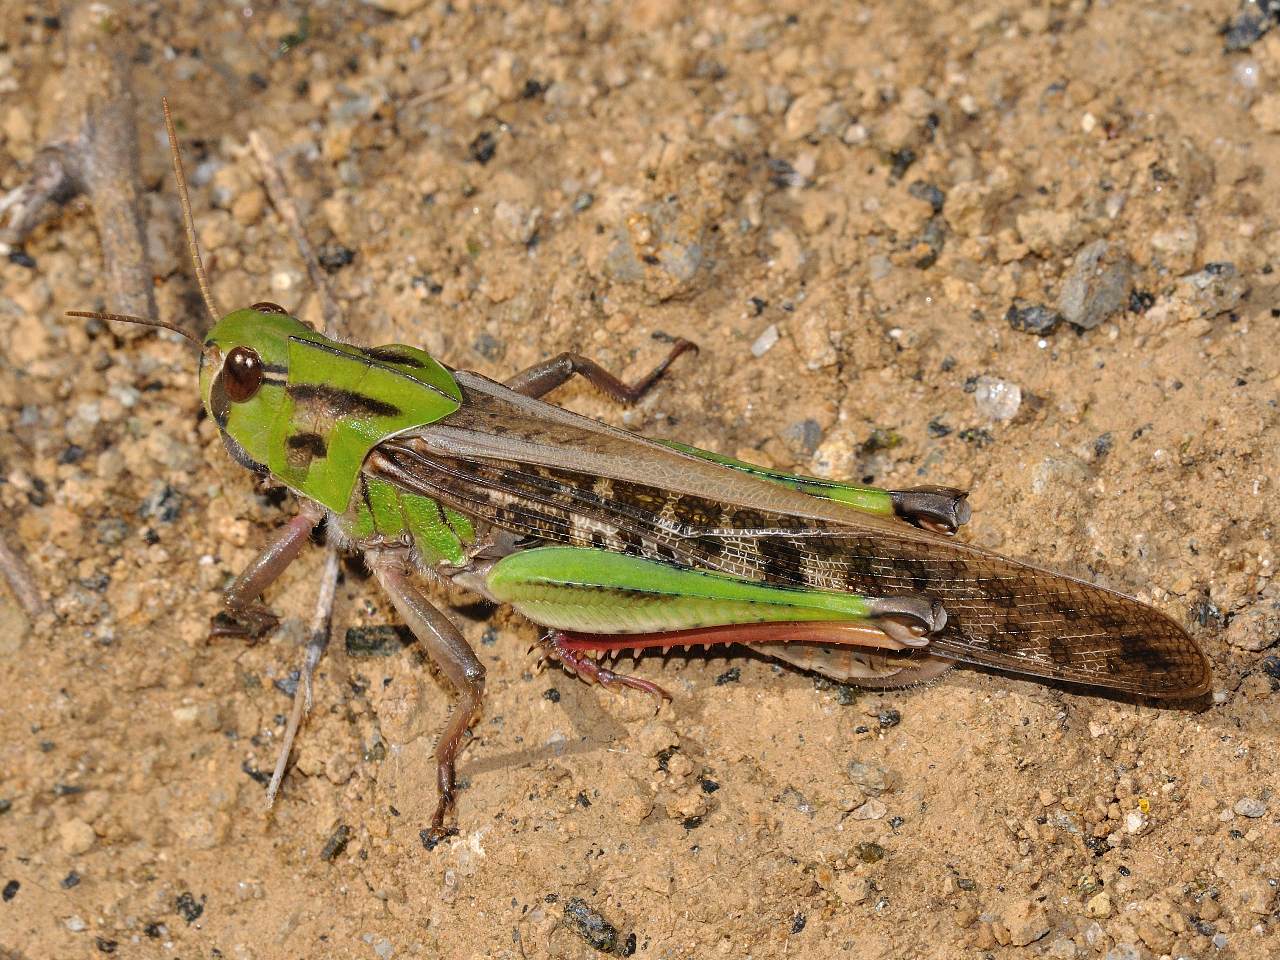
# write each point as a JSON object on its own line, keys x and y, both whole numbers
{"x": 125, "y": 318}
{"x": 192, "y": 245}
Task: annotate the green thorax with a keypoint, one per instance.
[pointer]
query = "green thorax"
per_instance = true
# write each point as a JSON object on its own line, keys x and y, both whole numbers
{"x": 439, "y": 534}
{"x": 323, "y": 405}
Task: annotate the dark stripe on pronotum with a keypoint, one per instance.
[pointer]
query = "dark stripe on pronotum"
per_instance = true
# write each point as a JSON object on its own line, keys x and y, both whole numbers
{"x": 340, "y": 402}
{"x": 312, "y": 443}
{"x": 391, "y": 355}
{"x": 398, "y": 358}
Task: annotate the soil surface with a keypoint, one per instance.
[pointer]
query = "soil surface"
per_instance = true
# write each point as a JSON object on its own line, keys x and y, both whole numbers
{"x": 859, "y": 211}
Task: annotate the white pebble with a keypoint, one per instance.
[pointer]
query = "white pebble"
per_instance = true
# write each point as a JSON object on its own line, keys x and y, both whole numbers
{"x": 1135, "y": 821}
{"x": 76, "y": 925}
{"x": 997, "y": 399}
{"x": 873, "y": 809}
{"x": 1246, "y": 73}
{"x": 766, "y": 341}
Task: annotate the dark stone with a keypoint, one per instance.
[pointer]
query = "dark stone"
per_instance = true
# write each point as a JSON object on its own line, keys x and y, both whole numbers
{"x": 336, "y": 843}
{"x": 334, "y": 256}
{"x": 187, "y": 907}
{"x": 869, "y": 852}
{"x": 1035, "y": 319}
{"x": 288, "y": 685}
{"x": 732, "y": 675}
{"x": 979, "y": 436}
{"x": 929, "y": 194}
{"x": 588, "y": 923}
{"x": 804, "y": 436}
{"x": 783, "y": 174}
{"x": 383, "y": 640}
{"x": 483, "y": 147}
{"x": 900, "y": 161}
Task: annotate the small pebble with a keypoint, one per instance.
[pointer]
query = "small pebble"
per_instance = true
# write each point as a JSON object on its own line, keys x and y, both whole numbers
{"x": 766, "y": 341}
{"x": 1250, "y": 807}
{"x": 872, "y": 778}
{"x": 187, "y": 907}
{"x": 10, "y": 890}
{"x": 77, "y": 837}
{"x": 1034, "y": 318}
{"x": 76, "y": 925}
{"x": 336, "y": 843}
{"x": 869, "y": 852}
{"x": 1093, "y": 292}
{"x": 997, "y": 399}
{"x": 873, "y": 809}
{"x": 1099, "y": 906}
{"x": 1063, "y": 949}
{"x": 889, "y": 717}
{"x": 591, "y": 926}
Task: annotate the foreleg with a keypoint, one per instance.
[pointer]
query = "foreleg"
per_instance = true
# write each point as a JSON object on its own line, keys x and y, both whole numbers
{"x": 245, "y": 616}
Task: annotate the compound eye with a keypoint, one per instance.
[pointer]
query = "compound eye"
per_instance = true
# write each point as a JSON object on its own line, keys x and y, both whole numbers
{"x": 241, "y": 374}
{"x": 266, "y": 306}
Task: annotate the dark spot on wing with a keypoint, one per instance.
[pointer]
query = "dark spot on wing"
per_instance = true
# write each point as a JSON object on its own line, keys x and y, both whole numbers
{"x": 919, "y": 574}
{"x": 776, "y": 557}
{"x": 1059, "y": 651}
{"x": 1134, "y": 648}
{"x": 1066, "y": 609}
{"x": 999, "y": 594}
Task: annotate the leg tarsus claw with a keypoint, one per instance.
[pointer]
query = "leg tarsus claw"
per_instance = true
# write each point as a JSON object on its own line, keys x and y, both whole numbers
{"x": 435, "y": 836}
{"x": 252, "y": 623}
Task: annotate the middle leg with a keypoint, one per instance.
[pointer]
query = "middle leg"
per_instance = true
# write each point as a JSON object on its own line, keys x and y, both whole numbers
{"x": 544, "y": 377}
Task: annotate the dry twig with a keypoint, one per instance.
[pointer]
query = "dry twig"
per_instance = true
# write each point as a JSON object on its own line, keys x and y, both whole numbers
{"x": 95, "y": 154}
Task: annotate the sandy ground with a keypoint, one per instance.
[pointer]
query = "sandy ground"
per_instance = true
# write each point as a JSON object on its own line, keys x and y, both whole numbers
{"x": 841, "y": 203}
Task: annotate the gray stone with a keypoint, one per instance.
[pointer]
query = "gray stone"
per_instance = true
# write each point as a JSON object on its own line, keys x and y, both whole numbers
{"x": 1250, "y": 807}
{"x": 1093, "y": 291}
{"x": 1215, "y": 290}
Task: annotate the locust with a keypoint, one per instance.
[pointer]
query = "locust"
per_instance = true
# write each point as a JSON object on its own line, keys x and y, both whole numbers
{"x": 609, "y": 540}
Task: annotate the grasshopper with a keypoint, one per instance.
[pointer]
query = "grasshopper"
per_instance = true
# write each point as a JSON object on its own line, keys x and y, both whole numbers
{"x": 610, "y": 540}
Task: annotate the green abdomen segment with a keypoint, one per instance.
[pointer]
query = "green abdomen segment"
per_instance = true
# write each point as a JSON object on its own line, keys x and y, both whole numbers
{"x": 438, "y": 533}
{"x": 594, "y": 591}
